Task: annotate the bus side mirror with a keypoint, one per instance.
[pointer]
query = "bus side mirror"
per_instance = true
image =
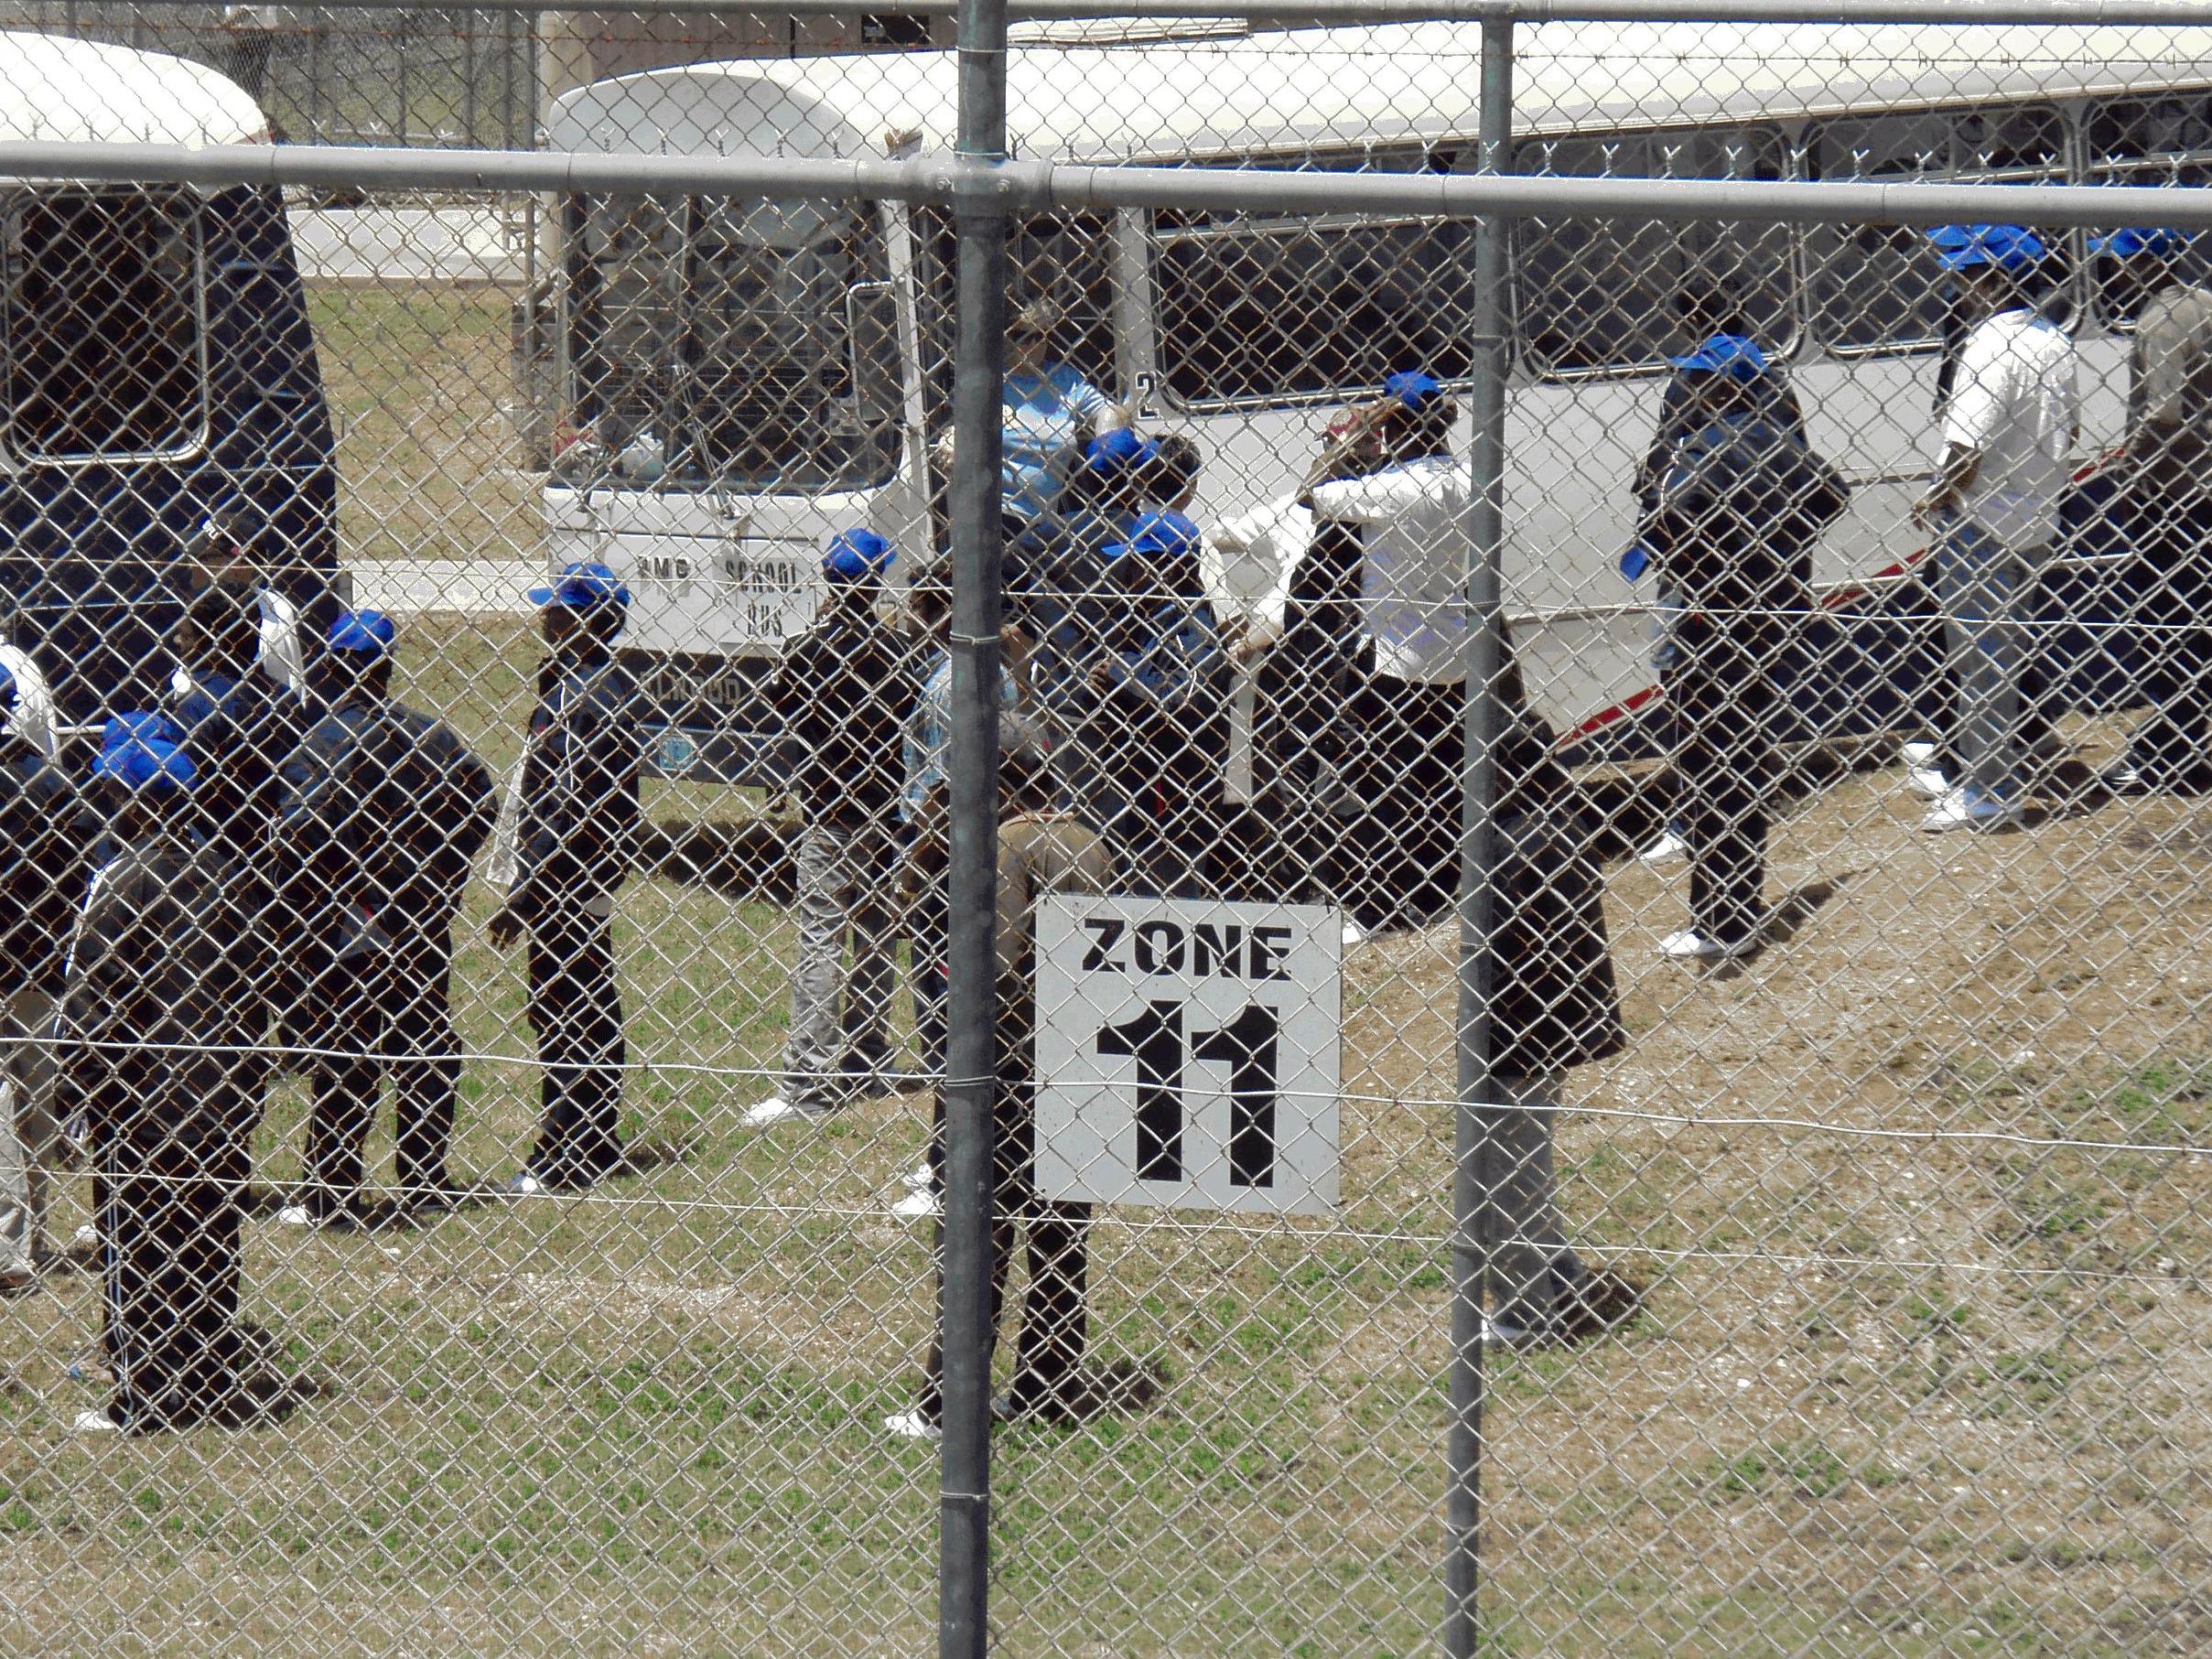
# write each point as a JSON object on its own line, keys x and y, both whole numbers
{"x": 871, "y": 319}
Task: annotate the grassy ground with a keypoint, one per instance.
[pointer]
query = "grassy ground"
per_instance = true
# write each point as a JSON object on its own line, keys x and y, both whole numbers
{"x": 1892, "y": 1395}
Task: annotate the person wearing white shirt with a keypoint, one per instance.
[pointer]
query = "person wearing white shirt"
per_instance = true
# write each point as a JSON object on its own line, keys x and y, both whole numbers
{"x": 2009, "y": 429}
{"x": 1402, "y": 737}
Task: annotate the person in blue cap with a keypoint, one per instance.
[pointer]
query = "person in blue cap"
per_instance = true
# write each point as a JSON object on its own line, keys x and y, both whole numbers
{"x": 2009, "y": 430}
{"x": 577, "y": 842}
{"x": 844, "y": 687}
{"x": 45, "y": 859}
{"x": 239, "y": 725}
{"x": 160, "y": 1053}
{"x": 2168, "y": 505}
{"x": 382, "y": 810}
{"x": 1388, "y": 505}
{"x": 1736, "y": 512}
{"x": 1154, "y": 727}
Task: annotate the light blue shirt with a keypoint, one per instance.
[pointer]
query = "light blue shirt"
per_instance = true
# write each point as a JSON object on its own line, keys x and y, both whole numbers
{"x": 929, "y": 734}
{"x": 1042, "y": 416}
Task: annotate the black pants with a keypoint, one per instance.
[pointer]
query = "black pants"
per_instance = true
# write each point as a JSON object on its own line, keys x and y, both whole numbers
{"x": 575, "y": 1009}
{"x": 170, "y": 1208}
{"x": 1055, "y": 1322}
{"x": 1400, "y": 751}
{"x": 2173, "y": 748}
{"x": 1724, "y": 694}
{"x": 387, "y": 1012}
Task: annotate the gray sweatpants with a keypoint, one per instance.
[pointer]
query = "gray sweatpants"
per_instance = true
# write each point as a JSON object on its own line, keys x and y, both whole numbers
{"x": 1534, "y": 1267}
{"x": 846, "y": 880}
{"x": 29, "y": 1135}
{"x": 1981, "y": 582}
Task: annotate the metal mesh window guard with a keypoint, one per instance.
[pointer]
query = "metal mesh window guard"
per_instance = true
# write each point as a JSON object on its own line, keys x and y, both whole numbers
{"x": 1460, "y": 760}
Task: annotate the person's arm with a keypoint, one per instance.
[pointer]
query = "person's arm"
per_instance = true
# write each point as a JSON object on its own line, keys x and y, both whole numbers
{"x": 1972, "y": 420}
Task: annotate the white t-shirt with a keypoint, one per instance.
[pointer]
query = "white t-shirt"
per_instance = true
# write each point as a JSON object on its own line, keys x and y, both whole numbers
{"x": 1412, "y": 518}
{"x": 2014, "y": 400}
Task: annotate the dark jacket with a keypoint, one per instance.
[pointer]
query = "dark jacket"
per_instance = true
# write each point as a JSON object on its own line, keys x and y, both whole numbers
{"x": 1679, "y": 415}
{"x": 159, "y": 1037}
{"x": 47, "y": 836}
{"x": 1553, "y": 1002}
{"x": 382, "y": 813}
{"x": 1164, "y": 717}
{"x": 581, "y": 812}
{"x": 1058, "y": 591}
{"x": 845, "y": 686}
{"x": 1740, "y": 506}
{"x": 239, "y": 732}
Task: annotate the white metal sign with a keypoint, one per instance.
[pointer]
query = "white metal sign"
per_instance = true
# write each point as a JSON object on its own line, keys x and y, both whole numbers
{"x": 1187, "y": 1053}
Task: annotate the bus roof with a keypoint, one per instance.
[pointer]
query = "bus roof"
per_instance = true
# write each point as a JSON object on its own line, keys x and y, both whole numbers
{"x": 59, "y": 90}
{"x": 1321, "y": 88}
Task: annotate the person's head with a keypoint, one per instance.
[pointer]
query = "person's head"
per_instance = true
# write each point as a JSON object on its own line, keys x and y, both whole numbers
{"x": 1415, "y": 416}
{"x": 1172, "y": 479}
{"x": 931, "y": 600}
{"x": 1158, "y": 557}
{"x": 1992, "y": 263}
{"x": 358, "y": 661}
{"x": 1115, "y": 465}
{"x": 1029, "y": 334}
{"x": 854, "y": 564}
{"x": 1723, "y": 373}
{"x": 219, "y": 631}
{"x": 2134, "y": 264}
{"x": 142, "y": 770}
{"x": 1025, "y": 769}
{"x": 586, "y": 605}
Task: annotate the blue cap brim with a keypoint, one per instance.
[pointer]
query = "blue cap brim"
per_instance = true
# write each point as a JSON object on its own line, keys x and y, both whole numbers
{"x": 541, "y": 595}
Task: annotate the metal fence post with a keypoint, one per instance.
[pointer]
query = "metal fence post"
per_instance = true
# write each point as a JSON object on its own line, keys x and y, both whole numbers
{"x": 1473, "y": 1174}
{"x": 970, "y": 1065}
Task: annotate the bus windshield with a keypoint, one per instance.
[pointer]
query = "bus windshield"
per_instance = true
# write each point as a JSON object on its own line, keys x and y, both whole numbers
{"x": 712, "y": 344}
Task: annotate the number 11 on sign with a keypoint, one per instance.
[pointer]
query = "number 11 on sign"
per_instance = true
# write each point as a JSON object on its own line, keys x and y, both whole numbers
{"x": 1247, "y": 1045}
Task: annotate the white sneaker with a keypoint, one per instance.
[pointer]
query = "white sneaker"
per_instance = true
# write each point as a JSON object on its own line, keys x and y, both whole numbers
{"x": 1928, "y": 782}
{"x": 774, "y": 1110}
{"x": 1670, "y": 846}
{"x": 911, "y": 1425}
{"x": 1916, "y": 753}
{"x": 919, "y": 1179}
{"x": 1354, "y": 934}
{"x": 1967, "y": 807}
{"x": 294, "y": 1215}
{"x": 95, "y": 1421}
{"x": 1687, "y": 944}
{"x": 919, "y": 1206}
{"x": 86, "y": 1237}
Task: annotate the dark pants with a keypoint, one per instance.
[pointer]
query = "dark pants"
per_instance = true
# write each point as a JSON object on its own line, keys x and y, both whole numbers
{"x": 1055, "y": 1325}
{"x": 1155, "y": 809}
{"x": 1400, "y": 754}
{"x": 1724, "y": 694}
{"x": 170, "y": 1208}
{"x": 379, "y": 1013}
{"x": 2173, "y": 748}
{"x": 575, "y": 1009}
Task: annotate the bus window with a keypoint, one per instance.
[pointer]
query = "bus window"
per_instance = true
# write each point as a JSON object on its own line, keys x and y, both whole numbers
{"x": 2159, "y": 141}
{"x": 1873, "y": 286}
{"x": 713, "y": 335}
{"x": 1600, "y": 292}
{"x": 104, "y": 340}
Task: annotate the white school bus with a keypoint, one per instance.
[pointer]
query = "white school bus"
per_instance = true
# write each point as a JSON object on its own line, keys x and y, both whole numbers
{"x": 740, "y": 378}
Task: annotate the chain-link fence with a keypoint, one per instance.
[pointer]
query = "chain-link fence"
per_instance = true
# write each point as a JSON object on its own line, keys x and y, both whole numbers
{"x": 1017, "y": 622}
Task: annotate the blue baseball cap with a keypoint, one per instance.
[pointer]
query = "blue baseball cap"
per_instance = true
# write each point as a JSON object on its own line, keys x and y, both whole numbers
{"x": 856, "y": 554}
{"x": 2155, "y": 241}
{"x": 1735, "y": 355}
{"x": 139, "y": 726}
{"x": 140, "y": 762}
{"x": 367, "y": 633}
{"x": 1163, "y": 534}
{"x": 581, "y": 587}
{"x": 1412, "y": 388}
{"x": 8, "y": 684}
{"x": 1110, "y": 452}
{"x": 2009, "y": 247}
